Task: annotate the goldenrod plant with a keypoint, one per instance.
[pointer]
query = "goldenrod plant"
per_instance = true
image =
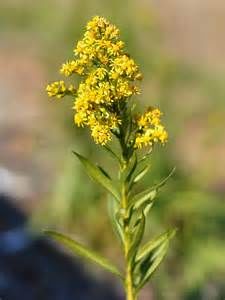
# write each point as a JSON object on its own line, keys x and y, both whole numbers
{"x": 103, "y": 102}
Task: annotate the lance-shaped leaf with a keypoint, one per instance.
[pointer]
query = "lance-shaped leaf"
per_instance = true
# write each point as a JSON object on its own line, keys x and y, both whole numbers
{"x": 104, "y": 172}
{"x": 149, "y": 194}
{"x": 150, "y": 256}
{"x": 112, "y": 153}
{"x": 142, "y": 173}
{"x": 113, "y": 211}
{"x": 146, "y": 196}
{"x": 84, "y": 252}
{"x": 146, "y": 157}
{"x": 164, "y": 181}
{"x": 138, "y": 232}
{"x": 98, "y": 175}
{"x": 154, "y": 243}
{"x": 132, "y": 167}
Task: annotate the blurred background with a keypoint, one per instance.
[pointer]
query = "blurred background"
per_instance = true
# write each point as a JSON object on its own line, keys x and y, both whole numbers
{"x": 180, "y": 47}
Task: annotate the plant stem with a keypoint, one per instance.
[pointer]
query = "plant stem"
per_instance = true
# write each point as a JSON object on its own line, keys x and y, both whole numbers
{"x": 125, "y": 159}
{"x": 130, "y": 293}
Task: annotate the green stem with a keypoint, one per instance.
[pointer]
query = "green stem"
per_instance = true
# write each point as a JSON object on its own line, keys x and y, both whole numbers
{"x": 129, "y": 288}
{"x": 130, "y": 292}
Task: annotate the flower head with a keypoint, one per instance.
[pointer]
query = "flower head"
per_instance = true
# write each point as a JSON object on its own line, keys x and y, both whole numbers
{"x": 149, "y": 129}
{"x": 58, "y": 89}
{"x": 108, "y": 80}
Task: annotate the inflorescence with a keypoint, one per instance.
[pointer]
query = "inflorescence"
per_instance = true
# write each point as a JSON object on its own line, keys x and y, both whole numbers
{"x": 108, "y": 80}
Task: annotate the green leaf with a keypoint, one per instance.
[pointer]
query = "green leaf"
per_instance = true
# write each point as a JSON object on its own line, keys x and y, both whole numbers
{"x": 147, "y": 208}
{"x": 112, "y": 153}
{"x": 98, "y": 175}
{"x": 113, "y": 211}
{"x": 164, "y": 181}
{"x": 137, "y": 236}
{"x": 153, "y": 265}
{"x": 154, "y": 243}
{"x": 145, "y": 157}
{"x": 103, "y": 172}
{"x": 130, "y": 168}
{"x": 84, "y": 252}
{"x": 150, "y": 256}
{"x": 141, "y": 174}
{"x": 148, "y": 195}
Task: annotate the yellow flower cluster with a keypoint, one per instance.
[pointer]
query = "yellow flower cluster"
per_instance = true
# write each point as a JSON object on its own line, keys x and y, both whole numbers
{"x": 108, "y": 79}
{"x": 58, "y": 89}
{"x": 149, "y": 129}
{"x": 71, "y": 67}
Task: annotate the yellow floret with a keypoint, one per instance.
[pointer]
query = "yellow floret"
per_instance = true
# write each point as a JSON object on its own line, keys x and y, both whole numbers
{"x": 101, "y": 134}
{"x": 150, "y": 129}
{"x": 160, "y": 134}
{"x": 108, "y": 80}
{"x": 56, "y": 89}
{"x": 71, "y": 67}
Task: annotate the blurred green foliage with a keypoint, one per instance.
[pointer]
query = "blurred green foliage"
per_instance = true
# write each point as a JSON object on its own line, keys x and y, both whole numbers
{"x": 194, "y": 107}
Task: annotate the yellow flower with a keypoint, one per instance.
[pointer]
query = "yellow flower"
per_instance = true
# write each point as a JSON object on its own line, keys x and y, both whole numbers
{"x": 123, "y": 65}
{"x": 160, "y": 134}
{"x": 108, "y": 80}
{"x": 115, "y": 48}
{"x": 56, "y": 89}
{"x": 150, "y": 130}
{"x": 150, "y": 117}
{"x": 142, "y": 140}
{"x": 101, "y": 134}
{"x": 80, "y": 119}
{"x": 100, "y": 73}
{"x": 71, "y": 67}
{"x": 123, "y": 89}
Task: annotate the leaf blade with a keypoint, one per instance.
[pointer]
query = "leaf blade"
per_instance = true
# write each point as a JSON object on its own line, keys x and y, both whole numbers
{"x": 113, "y": 212}
{"x": 151, "y": 255}
{"x": 142, "y": 173}
{"x": 112, "y": 153}
{"x": 84, "y": 252}
{"x": 154, "y": 266}
{"x": 137, "y": 238}
{"x": 149, "y": 194}
{"x": 149, "y": 246}
{"x": 98, "y": 175}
